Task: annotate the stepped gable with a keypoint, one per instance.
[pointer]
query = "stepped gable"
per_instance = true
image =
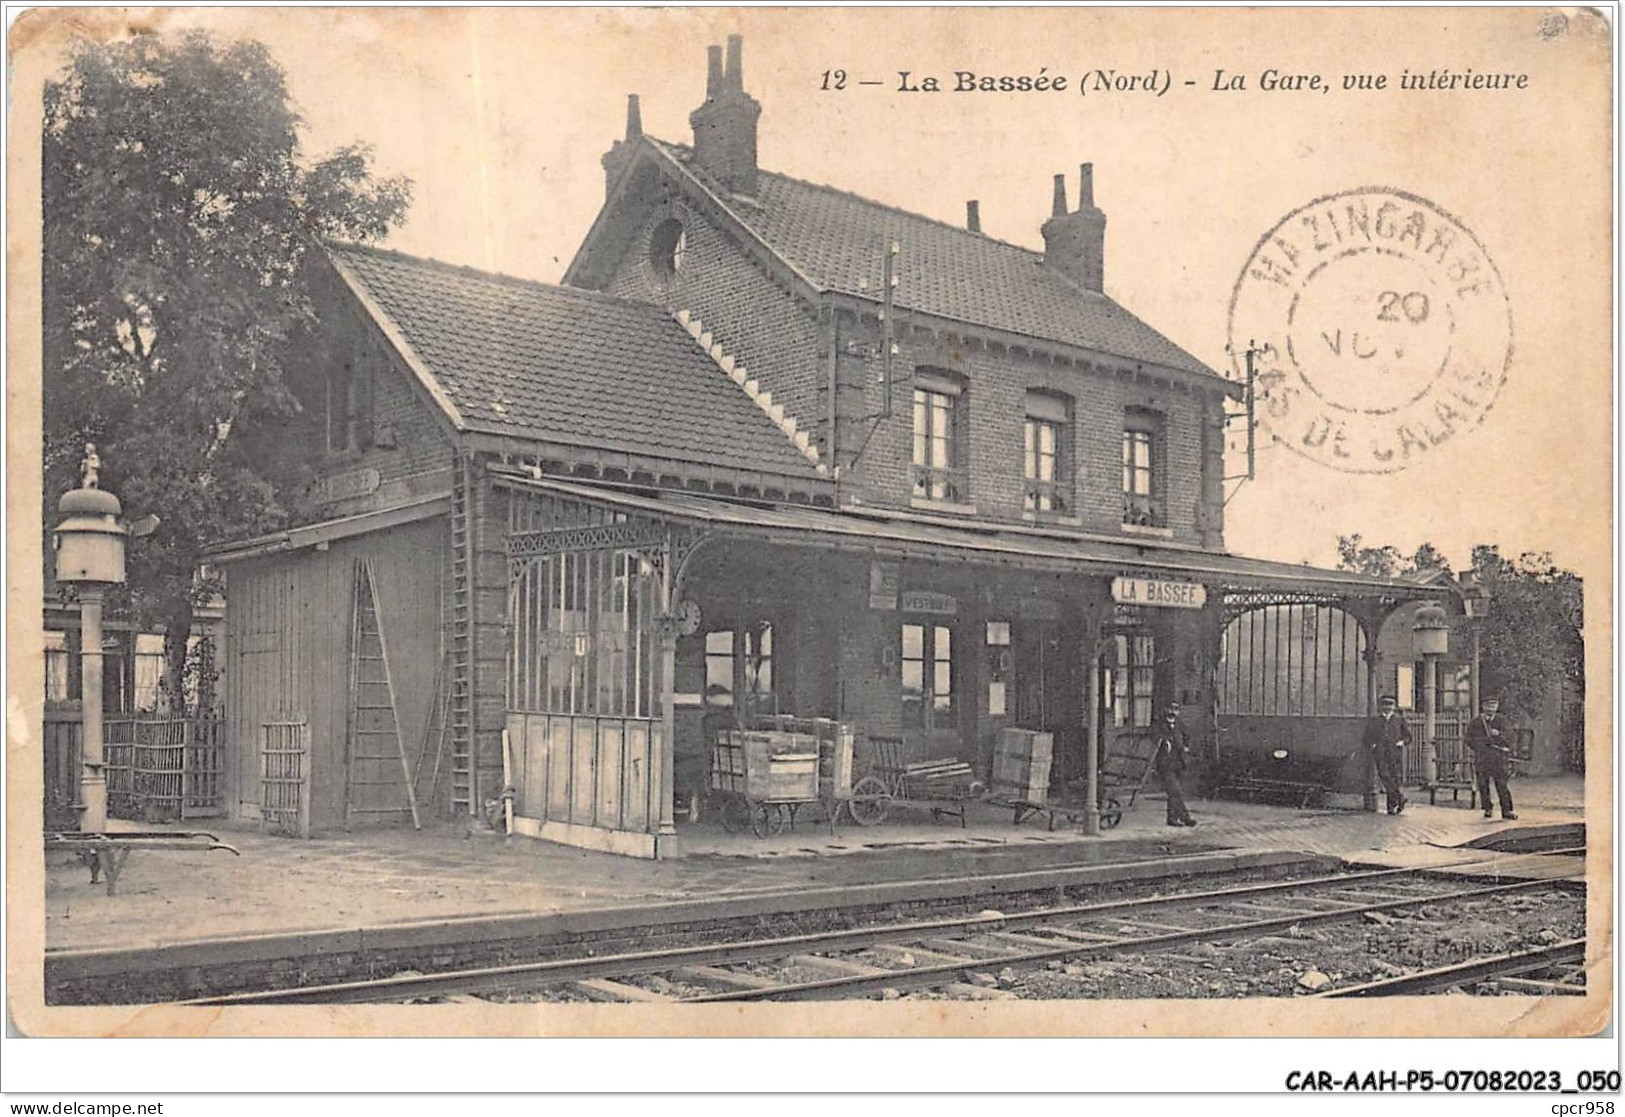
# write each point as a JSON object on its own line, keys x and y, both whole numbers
{"x": 534, "y": 361}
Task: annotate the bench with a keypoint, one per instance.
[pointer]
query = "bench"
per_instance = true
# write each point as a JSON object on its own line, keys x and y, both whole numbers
{"x": 1455, "y": 776}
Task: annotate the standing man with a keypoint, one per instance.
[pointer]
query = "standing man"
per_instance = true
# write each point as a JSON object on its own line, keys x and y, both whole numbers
{"x": 1386, "y": 735}
{"x": 1488, "y": 735}
{"x": 1172, "y": 758}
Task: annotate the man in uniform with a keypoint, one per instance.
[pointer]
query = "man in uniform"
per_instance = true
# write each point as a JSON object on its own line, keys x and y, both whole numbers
{"x": 1386, "y": 735}
{"x": 1171, "y": 759}
{"x": 1489, "y": 736}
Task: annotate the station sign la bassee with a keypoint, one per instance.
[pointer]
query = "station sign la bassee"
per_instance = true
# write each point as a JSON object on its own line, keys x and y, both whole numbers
{"x": 1155, "y": 592}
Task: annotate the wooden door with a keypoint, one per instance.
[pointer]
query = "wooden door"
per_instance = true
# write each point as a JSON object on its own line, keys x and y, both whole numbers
{"x": 1048, "y": 692}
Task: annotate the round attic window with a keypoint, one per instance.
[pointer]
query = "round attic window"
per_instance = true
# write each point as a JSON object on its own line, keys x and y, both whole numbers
{"x": 666, "y": 248}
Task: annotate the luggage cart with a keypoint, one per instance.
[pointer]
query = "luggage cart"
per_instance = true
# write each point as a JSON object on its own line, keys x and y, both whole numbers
{"x": 105, "y": 854}
{"x": 942, "y": 787}
{"x": 1123, "y": 772}
{"x": 764, "y": 777}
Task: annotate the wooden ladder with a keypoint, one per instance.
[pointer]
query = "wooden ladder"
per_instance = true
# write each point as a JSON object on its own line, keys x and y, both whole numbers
{"x": 376, "y": 758}
{"x": 461, "y": 625}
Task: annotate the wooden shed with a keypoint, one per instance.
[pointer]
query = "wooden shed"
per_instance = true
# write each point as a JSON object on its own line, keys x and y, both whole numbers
{"x": 343, "y": 640}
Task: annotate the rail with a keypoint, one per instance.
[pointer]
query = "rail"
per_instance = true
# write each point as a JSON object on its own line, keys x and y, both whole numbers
{"x": 965, "y": 944}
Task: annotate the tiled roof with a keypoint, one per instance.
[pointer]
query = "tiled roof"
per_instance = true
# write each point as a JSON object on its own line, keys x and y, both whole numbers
{"x": 532, "y": 360}
{"x": 837, "y": 239}
{"x": 987, "y": 541}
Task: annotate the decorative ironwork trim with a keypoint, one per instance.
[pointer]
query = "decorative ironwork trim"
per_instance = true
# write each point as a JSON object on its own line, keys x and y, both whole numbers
{"x": 595, "y": 537}
{"x": 1239, "y": 602}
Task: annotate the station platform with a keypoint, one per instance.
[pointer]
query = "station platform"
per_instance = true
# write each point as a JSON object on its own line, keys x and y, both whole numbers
{"x": 378, "y": 879}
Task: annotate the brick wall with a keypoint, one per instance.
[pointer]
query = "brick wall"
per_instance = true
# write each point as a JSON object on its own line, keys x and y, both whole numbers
{"x": 761, "y": 325}
{"x": 997, "y": 383}
{"x": 422, "y": 448}
{"x": 785, "y": 346}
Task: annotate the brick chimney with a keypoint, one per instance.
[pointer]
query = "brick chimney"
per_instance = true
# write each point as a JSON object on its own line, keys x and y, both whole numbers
{"x": 621, "y": 150}
{"x": 1075, "y": 243}
{"x": 725, "y": 126}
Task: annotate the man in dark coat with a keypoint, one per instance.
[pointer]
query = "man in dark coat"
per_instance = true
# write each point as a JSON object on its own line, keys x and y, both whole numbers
{"x": 1386, "y": 736}
{"x": 1490, "y": 738}
{"x": 1172, "y": 758}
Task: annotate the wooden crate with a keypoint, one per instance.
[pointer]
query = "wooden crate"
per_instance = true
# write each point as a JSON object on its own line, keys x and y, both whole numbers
{"x": 780, "y": 765}
{"x": 835, "y": 744}
{"x": 789, "y": 776}
{"x": 1021, "y": 764}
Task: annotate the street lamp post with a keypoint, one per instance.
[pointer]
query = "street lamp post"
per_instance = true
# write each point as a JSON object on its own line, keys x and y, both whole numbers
{"x": 90, "y": 556}
{"x": 1475, "y": 597}
{"x": 1431, "y": 639}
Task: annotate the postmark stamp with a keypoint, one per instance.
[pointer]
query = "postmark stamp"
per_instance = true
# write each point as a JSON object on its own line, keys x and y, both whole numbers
{"x": 1380, "y": 326}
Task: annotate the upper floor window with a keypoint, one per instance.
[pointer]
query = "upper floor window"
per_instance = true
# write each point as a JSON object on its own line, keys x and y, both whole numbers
{"x": 346, "y": 408}
{"x": 939, "y": 421}
{"x": 1143, "y": 503}
{"x": 668, "y": 245}
{"x": 1045, "y": 452}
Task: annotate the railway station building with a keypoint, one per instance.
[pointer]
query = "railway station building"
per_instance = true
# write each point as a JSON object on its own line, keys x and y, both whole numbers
{"x": 769, "y": 448}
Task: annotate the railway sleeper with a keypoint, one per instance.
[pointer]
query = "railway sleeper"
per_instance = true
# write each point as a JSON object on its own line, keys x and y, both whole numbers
{"x": 1362, "y": 899}
{"x": 1540, "y": 988}
{"x": 1086, "y": 938}
{"x": 717, "y": 977}
{"x": 833, "y": 967}
{"x": 1020, "y": 941}
{"x": 909, "y": 956}
{"x": 972, "y": 950}
{"x": 1160, "y": 928}
{"x": 604, "y": 989}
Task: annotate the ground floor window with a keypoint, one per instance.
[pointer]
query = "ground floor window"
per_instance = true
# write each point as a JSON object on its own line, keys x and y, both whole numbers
{"x": 927, "y": 676}
{"x": 1453, "y": 686}
{"x": 739, "y": 668}
{"x": 1133, "y": 680}
{"x": 57, "y": 658}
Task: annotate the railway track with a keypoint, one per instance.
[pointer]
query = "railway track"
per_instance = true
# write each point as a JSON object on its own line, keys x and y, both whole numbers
{"x": 950, "y": 955}
{"x": 1556, "y": 970}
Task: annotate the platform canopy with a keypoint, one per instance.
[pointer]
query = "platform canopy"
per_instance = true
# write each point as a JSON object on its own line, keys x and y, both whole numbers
{"x": 894, "y": 534}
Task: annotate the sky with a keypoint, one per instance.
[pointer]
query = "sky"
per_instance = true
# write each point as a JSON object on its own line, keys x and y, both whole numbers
{"x": 499, "y": 116}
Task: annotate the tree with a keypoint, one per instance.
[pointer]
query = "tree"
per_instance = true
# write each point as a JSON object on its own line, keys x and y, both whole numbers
{"x": 1387, "y": 561}
{"x": 180, "y": 220}
{"x": 1531, "y": 641}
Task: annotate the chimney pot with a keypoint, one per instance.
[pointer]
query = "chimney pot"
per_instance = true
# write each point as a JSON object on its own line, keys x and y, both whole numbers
{"x": 973, "y": 216}
{"x": 725, "y": 125}
{"x": 713, "y": 72}
{"x": 634, "y": 117}
{"x": 1075, "y": 243}
{"x": 736, "y": 68}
